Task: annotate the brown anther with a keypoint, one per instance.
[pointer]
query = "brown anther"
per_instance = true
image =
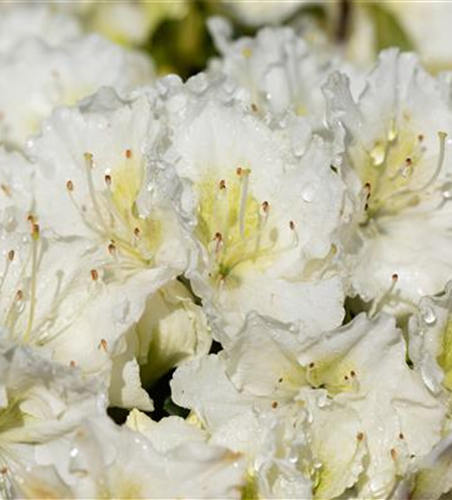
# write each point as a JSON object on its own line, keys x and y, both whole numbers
{"x": 420, "y": 137}
{"x": 239, "y": 170}
{"x": 265, "y": 206}
{"x": 254, "y": 107}
{"x": 70, "y": 185}
{"x": 112, "y": 248}
{"x": 4, "y": 470}
{"x": 401, "y": 436}
{"x": 360, "y": 436}
{"x": 128, "y": 153}
{"x": 218, "y": 237}
{"x": 346, "y": 377}
{"x": 367, "y": 186}
{"x": 19, "y": 295}
{"x": 393, "y": 453}
{"x": 366, "y": 206}
{"x": 353, "y": 373}
{"x": 6, "y": 189}
{"x": 136, "y": 232}
{"x": 280, "y": 380}
{"x": 395, "y": 277}
{"x": 311, "y": 365}
{"x": 409, "y": 162}
{"x": 275, "y": 404}
{"x": 108, "y": 180}
{"x": 72, "y": 364}
{"x": 31, "y": 218}
{"x": 103, "y": 345}
{"x": 292, "y": 225}
{"x": 11, "y": 255}
{"x": 94, "y": 274}
{"x": 222, "y": 184}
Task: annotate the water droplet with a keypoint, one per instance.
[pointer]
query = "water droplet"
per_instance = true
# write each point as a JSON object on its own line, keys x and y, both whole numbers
{"x": 447, "y": 191}
{"x": 428, "y": 315}
{"x": 378, "y": 154}
{"x": 309, "y": 193}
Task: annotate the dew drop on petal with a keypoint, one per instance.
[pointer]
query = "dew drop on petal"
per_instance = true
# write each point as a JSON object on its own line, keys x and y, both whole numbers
{"x": 428, "y": 315}
{"x": 308, "y": 194}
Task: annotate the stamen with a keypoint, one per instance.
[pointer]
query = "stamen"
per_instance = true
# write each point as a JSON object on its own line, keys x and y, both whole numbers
{"x": 9, "y": 259}
{"x": 89, "y": 165}
{"x": 128, "y": 153}
{"x": 219, "y": 242}
{"x": 442, "y": 152}
{"x": 244, "y": 177}
{"x": 377, "y": 306}
{"x": 103, "y": 344}
{"x": 35, "y": 235}
{"x": 94, "y": 274}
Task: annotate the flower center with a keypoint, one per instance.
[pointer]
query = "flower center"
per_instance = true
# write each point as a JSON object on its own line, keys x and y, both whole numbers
{"x": 116, "y": 217}
{"x": 397, "y": 174}
{"x": 234, "y": 228}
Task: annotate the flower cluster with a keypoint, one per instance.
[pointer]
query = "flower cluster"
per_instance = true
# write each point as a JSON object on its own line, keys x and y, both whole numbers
{"x": 273, "y": 233}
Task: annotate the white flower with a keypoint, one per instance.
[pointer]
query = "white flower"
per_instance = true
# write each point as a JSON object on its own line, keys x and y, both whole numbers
{"x": 111, "y": 462}
{"x": 262, "y": 218}
{"x": 38, "y": 77}
{"x": 96, "y": 250}
{"x": 40, "y": 402}
{"x": 271, "y": 442}
{"x": 19, "y": 22}
{"x": 355, "y": 384}
{"x": 396, "y": 236}
{"x": 279, "y": 69}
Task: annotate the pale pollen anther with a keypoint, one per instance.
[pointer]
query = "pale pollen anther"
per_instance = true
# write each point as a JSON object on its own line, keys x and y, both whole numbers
{"x": 6, "y": 189}
{"x": 393, "y": 453}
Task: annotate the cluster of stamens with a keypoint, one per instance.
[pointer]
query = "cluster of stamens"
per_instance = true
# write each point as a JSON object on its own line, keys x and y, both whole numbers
{"x": 238, "y": 226}
{"x": 390, "y": 185}
{"x": 120, "y": 226}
